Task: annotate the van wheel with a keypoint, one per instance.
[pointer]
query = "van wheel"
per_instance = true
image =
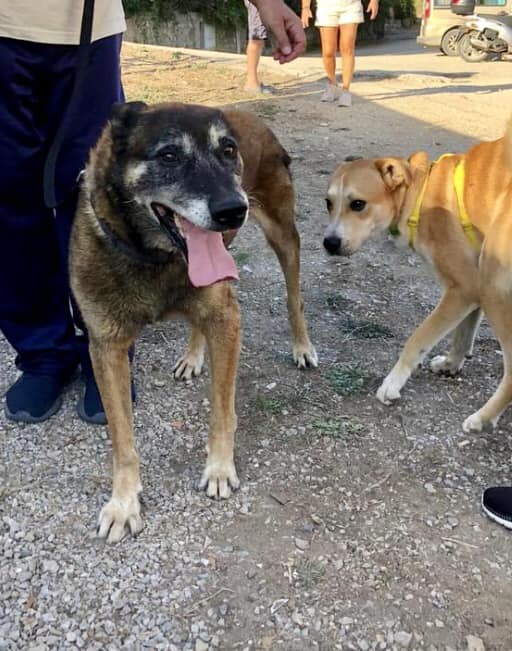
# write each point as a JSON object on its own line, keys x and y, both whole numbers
{"x": 469, "y": 53}
{"x": 449, "y": 42}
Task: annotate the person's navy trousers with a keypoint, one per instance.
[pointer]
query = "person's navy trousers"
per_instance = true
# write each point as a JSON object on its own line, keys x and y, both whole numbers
{"x": 36, "y": 81}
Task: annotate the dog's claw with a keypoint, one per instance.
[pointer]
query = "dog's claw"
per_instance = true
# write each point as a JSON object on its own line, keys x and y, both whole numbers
{"x": 118, "y": 517}
{"x": 218, "y": 479}
{"x": 305, "y": 356}
{"x": 388, "y": 393}
{"x": 188, "y": 366}
{"x": 443, "y": 365}
{"x": 475, "y": 423}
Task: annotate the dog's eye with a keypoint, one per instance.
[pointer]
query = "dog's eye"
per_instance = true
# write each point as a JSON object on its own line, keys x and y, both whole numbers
{"x": 328, "y": 203}
{"x": 169, "y": 156}
{"x": 357, "y": 205}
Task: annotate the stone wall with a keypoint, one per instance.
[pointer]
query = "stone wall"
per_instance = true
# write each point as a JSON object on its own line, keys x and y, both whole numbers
{"x": 186, "y": 30}
{"x": 190, "y": 31}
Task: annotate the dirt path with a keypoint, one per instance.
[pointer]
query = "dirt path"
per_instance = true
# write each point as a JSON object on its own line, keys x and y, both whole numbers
{"x": 357, "y": 526}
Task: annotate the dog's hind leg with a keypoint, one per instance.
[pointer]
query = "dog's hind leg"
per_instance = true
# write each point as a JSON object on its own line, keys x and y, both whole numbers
{"x": 191, "y": 363}
{"x": 461, "y": 348}
{"x": 112, "y": 373}
{"x": 453, "y": 307}
{"x": 497, "y": 305}
{"x": 276, "y": 215}
{"x": 218, "y": 318}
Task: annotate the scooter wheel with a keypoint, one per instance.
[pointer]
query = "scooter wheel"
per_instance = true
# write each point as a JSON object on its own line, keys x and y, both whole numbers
{"x": 468, "y": 52}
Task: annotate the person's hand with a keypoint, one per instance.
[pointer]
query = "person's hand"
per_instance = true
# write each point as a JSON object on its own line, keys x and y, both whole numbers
{"x": 373, "y": 9}
{"x": 285, "y": 26}
{"x": 306, "y": 16}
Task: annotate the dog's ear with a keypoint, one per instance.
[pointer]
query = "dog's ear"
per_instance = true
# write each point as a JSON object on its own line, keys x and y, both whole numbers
{"x": 394, "y": 171}
{"x": 126, "y": 114}
{"x": 124, "y": 117}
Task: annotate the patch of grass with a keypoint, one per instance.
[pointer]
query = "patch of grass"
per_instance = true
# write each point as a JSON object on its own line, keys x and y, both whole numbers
{"x": 241, "y": 258}
{"x": 269, "y": 404}
{"x": 307, "y": 572}
{"x": 365, "y": 329}
{"x": 346, "y": 379}
{"x": 268, "y": 111}
{"x": 338, "y": 428}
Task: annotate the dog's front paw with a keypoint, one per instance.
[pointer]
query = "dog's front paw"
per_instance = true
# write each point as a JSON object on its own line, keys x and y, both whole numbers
{"x": 305, "y": 356}
{"x": 445, "y": 365}
{"x": 119, "y": 517}
{"x": 218, "y": 478}
{"x": 389, "y": 391}
{"x": 475, "y": 423}
{"x": 189, "y": 365}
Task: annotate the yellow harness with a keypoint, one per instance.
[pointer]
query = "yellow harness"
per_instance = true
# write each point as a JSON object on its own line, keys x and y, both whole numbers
{"x": 458, "y": 182}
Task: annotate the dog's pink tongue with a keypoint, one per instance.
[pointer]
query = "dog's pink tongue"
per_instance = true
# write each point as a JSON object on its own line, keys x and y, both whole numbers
{"x": 208, "y": 259}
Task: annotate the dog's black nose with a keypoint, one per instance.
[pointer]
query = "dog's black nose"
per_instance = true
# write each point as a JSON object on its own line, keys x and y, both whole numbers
{"x": 332, "y": 244}
{"x": 228, "y": 213}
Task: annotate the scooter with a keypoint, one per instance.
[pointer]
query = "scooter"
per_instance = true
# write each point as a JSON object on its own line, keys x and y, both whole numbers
{"x": 482, "y": 35}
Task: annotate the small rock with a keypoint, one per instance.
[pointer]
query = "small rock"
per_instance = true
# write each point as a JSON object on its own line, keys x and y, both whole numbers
{"x": 224, "y": 608}
{"x": 430, "y": 488}
{"x": 50, "y": 566}
{"x": 301, "y": 544}
{"x": 298, "y": 619}
{"x": 474, "y": 643}
{"x": 403, "y": 639}
{"x": 201, "y": 645}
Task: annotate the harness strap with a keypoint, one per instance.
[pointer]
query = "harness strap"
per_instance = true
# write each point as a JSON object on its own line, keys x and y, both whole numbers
{"x": 414, "y": 218}
{"x": 458, "y": 183}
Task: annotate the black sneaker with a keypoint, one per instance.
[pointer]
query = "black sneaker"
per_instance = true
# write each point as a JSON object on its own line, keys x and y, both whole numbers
{"x": 497, "y": 504}
{"x": 35, "y": 398}
{"x": 89, "y": 407}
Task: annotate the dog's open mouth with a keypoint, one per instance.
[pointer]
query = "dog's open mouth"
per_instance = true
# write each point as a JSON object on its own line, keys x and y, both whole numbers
{"x": 207, "y": 257}
{"x": 170, "y": 226}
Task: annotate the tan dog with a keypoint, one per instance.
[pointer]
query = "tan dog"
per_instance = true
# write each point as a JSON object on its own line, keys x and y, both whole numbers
{"x": 445, "y": 222}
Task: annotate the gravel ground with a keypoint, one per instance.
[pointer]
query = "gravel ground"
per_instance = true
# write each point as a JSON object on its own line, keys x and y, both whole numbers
{"x": 357, "y": 526}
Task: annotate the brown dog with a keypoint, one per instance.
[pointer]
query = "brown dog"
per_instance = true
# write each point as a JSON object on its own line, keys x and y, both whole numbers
{"x": 161, "y": 186}
{"x": 267, "y": 181}
{"x": 443, "y": 210}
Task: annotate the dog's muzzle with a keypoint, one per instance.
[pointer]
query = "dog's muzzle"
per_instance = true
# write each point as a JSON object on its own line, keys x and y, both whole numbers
{"x": 332, "y": 245}
{"x": 228, "y": 213}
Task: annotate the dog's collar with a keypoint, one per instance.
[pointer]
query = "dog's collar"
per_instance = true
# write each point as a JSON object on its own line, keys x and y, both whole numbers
{"x": 152, "y": 258}
{"x": 414, "y": 218}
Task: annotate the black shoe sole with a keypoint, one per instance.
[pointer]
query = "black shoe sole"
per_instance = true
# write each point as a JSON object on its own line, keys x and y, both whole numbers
{"x": 95, "y": 419}
{"x": 26, "y": 417}
{"x": 496, "y": 517}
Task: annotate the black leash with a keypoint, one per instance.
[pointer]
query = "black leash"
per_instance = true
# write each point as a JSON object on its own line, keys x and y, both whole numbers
{"x": 83, "y": 52}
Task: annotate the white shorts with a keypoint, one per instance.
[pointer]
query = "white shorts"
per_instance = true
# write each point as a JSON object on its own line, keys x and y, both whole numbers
{"x": 331, "y": 13}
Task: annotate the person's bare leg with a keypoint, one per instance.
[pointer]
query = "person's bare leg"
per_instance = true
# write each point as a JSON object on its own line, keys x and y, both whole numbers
{"x": 328, "y": 38}
{"x": 254, "y": 50}
{"x": 348, "y": 34}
